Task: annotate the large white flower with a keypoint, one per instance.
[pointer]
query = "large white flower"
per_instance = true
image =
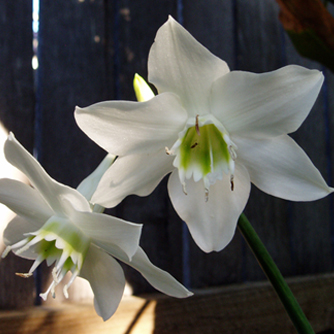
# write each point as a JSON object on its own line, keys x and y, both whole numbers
{"x": 56, "y": 223}
{"x": 220, "y": 130}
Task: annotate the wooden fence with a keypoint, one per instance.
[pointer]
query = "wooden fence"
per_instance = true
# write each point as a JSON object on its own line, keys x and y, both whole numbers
{"x": 89, "y": 51}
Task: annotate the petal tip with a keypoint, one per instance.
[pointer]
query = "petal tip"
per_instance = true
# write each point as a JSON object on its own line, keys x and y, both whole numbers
{"x": 78, "y": 109}
{"x": 189, "y": 294}
{"x": 11, "y": 136}
{"x": 171, "y": 18}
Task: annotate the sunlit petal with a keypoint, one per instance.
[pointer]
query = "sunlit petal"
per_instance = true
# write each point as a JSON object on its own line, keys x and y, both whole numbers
{"x": 51, "y": 190}
{"x": 136, "y": 174}
{"x": 107, "y": 280}
{"x": 25, "y": 201}
{"x": 109, "y": 232}
{"x": 279, "y": 167}
{"x": 15, "y": 230}
{"x": 181, "y": 65}
{"x": 211, "y": 223}
{"x": 266, "y": 104}
{"x": 122, "y": 127}
{"x": 158, "y": 278}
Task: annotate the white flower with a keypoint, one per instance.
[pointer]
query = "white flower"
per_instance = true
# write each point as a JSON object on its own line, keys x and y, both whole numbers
{"x": 56, "y": 223}
{"x": 221, "y": 130}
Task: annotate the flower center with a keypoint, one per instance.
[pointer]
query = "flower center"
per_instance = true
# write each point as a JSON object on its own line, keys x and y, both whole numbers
{"x": 205, "y": 151}
{"x": 59, "y": 241}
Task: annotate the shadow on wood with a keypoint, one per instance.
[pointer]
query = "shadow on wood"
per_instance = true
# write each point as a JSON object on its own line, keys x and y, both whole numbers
{"x": 242, "y": 308}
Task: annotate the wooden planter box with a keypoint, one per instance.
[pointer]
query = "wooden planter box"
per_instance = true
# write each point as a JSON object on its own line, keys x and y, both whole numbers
{"x": 242, "y": 308}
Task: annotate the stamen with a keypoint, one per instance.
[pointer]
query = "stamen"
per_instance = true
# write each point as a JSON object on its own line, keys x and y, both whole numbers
{"x": 23, "y": 249}
{"x": 55, "y": 275}
{"x": 21, "y": 243}
{"x": 232, "y": 182}
{"x": 63, "y": 258}
{"x": 184, "y": 188}
{"x": 23, "y": 275}
{"x": 197, "y": 126}
{"x": 206, "y": 194}
{"x": 65, "y": 288}
{"x": 53, "y": 292}
{"x": 6, "y": 251}
{"x": 45, "y": 294}
{"x": 232, "y": 152}
{"x": 36, "y": 263}
{"x": 28, "y": 244}
{"x": 168, "y": 152}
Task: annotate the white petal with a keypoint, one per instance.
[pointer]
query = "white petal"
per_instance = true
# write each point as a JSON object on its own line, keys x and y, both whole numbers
{"x": 14, "y": 232}
{"x": 122, "y": 127}
{"x": 136, "y": 174}
{"x": 107, "y": 280}
{"x": 159, "y": 279}
{"x": 24, "y": 201}
{"x": 88, "y": 186}
{"x": 279, "y": 167}
{"x": 179, "y": 64}
{"x": 109, "y": 232}
{"x": 211, "y": 223}
{"x": 268, "y": 104}
{"x": 52, "y": 191}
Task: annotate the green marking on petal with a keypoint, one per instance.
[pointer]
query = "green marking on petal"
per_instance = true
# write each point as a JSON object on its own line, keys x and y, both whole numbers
{"x": 70, "y": 235}
{"x": 57, "y": 240}
{"x": 205, "y": 150}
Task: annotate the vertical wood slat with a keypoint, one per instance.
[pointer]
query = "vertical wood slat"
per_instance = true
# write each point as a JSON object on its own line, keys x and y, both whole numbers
{"x": 17, "y": 115}
{"x": 72, "y": 72}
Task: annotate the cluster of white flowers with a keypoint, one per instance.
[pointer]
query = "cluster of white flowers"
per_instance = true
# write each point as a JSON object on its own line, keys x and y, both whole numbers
{"x": 214, "y": 130}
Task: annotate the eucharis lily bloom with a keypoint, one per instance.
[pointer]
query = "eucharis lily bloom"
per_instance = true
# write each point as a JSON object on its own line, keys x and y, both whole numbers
{"x": 57, "y": 224}
{"x": 214, "y": 130}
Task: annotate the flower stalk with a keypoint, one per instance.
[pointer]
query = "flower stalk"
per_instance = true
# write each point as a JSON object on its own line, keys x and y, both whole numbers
{"x": 275, "y": 277}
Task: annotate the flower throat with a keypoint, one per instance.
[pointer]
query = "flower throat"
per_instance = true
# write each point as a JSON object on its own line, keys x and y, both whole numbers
{"x": 205, "y": 151}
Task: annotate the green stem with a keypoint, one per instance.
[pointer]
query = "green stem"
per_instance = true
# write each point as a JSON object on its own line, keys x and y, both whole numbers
{"x": 275, "y": 277}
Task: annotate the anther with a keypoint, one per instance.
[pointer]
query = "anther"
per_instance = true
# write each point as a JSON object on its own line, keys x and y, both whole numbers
{"x": 184, "y": 188}
{"x": 6, "y": 251}
{"x": 206, "y": 194}
{"x": 55, "y": 275}
{"x": 232, "y": 152}
{"x": 23, "y": 275}
{"x": 197, "y": 126}
{"x": 65, "y": 291}
{"x": 232, "y": 182}
{"x": 167, "y": 151}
